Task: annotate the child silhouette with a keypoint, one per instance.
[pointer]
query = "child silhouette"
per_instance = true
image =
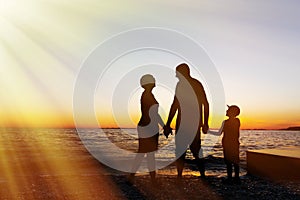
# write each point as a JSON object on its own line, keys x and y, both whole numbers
{"x": 230, "y": 141}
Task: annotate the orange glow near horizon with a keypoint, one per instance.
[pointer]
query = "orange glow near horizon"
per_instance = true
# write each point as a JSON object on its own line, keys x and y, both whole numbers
{"x": 268, "y": 121}
{"x": 37, "y": 121}
{"x": 39, "y": 65}
{"x": 251, "y": 121}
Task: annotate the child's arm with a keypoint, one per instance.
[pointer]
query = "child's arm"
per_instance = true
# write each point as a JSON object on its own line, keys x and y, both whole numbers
{"x": 217, "y": 133}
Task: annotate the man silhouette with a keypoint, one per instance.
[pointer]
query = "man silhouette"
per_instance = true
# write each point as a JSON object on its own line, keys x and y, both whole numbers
{"x": 189, "y": 101}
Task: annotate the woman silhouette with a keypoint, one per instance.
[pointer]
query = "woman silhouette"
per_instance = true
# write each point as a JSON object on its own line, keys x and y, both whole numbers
{"x": 147, "y": 129}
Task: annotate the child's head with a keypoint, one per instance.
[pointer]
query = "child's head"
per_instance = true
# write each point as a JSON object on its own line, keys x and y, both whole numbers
{"x": 233, "y": 111}
{"x": 147, "y": 81}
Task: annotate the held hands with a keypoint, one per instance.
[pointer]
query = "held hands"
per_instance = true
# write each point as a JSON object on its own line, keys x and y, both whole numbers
{"x": 167, "y": 131}
{"x": 205, "y": 128}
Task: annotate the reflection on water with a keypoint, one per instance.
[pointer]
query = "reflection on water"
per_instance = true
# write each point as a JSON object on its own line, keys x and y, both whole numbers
{"x": 48, "y": 164}
{"x": 59, "y": 139}
{"x": 52, "y": 163}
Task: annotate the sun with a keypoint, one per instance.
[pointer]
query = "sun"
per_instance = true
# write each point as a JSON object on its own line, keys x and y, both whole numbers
{"x": 10, "y": 7}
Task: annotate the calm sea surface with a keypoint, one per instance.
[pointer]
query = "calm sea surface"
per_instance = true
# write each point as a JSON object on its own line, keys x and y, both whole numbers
{"x": 126, "y": 139}
{"x": 249, "y": 140}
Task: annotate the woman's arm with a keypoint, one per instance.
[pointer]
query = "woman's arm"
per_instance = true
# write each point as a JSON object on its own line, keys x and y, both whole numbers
{"x": 153, "y": 113}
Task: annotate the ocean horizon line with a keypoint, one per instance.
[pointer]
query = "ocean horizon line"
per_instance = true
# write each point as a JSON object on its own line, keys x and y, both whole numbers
{"x": 291, "y": 128}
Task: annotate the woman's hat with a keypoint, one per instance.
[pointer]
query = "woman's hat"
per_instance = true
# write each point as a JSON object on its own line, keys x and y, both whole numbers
{"x": 147, "y": 79}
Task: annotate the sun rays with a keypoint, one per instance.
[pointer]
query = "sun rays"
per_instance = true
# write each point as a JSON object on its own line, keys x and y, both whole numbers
{"x": 31, "y": 89}
{"x": 43, "y": 43}
{"x": 33, "y": 166}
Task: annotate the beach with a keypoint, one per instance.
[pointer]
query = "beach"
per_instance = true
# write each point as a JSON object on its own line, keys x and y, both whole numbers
{"x": 78, "y": 78}
{"x": 53, "y": 164}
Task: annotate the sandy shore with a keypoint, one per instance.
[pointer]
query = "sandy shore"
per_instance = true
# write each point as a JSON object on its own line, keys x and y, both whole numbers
{"x": 36, "y": 169}
{"x": 191, "y": 187}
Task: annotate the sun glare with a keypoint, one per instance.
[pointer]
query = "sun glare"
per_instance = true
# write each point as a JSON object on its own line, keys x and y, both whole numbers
{"x": 43, "y": 43}
{"x": 8, "y": 7}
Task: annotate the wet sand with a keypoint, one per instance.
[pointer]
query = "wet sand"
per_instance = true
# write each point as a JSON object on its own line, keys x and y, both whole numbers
{"x": 35, "y": 168}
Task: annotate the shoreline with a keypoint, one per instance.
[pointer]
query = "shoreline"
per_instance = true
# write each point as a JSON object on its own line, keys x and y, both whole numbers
{"x": 43, "y": 165}
{"x": 212, "y": 187}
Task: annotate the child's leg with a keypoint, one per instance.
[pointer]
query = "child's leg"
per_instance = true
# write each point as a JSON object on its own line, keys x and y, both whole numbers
{"x": 228, "y": 163}
{"x": 236, "y": 162}
{"x": 229, "y": 169}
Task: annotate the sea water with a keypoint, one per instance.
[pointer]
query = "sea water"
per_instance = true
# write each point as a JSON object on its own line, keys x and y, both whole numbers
{"x": 126, "y": 139}
{"x": 211, "y": 145}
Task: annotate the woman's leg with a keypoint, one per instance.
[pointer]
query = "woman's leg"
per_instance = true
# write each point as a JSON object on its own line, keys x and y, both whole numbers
{"x": 151, "y": 164}
{"x": 137, "y": 162}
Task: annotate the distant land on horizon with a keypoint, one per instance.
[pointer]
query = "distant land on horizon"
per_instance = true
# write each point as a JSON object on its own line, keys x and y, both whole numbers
{"x": 292, "y": 128}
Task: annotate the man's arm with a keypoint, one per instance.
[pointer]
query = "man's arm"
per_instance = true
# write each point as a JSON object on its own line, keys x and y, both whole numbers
{"x": 173, "y": 109}
{"x": 206, "y": 116}
{"x": 206, "y": 111}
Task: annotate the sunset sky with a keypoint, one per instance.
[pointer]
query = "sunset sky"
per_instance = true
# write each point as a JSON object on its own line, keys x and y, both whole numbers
{"x": 254, "y": 45}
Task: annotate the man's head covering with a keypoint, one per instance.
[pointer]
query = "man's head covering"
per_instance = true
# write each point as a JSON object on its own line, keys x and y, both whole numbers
{"x": 235, "y": 110}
